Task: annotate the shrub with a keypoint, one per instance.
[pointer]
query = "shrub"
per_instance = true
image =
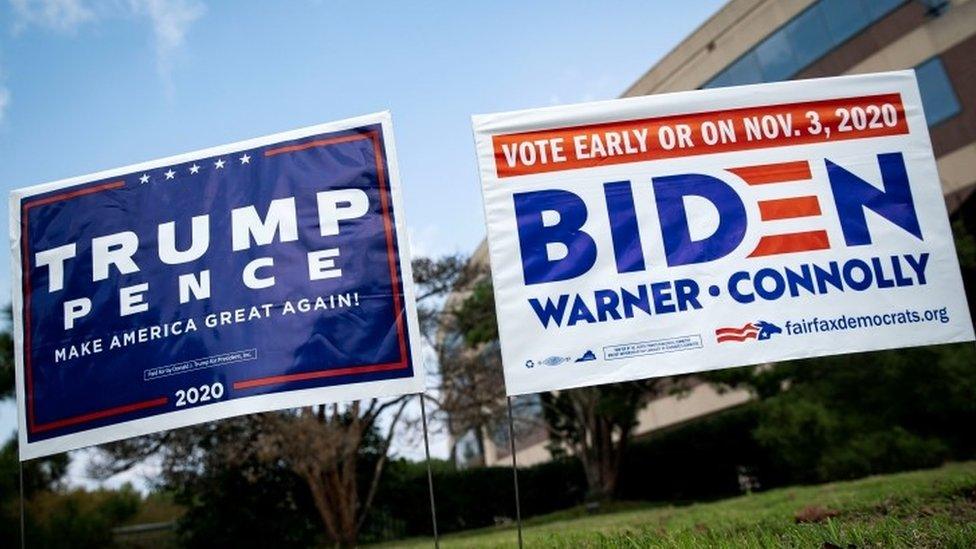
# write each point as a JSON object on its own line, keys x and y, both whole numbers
{"x": 78, "y": 518}
{"x": 472, "y": 498}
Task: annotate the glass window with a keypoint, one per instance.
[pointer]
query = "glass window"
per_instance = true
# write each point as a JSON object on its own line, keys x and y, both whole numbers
{"x": 844, "y": 18}
{"x": 721, "y": 79}
{"x": 938, "y": 98}
{"x": 743, "y": 71}
{"x": 775, "y": 58}
{"x": 878, "y": 8}
{"x": 808, "y": 36}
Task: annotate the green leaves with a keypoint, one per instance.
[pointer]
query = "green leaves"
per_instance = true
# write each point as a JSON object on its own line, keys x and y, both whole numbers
{"x": 476, "y": 316}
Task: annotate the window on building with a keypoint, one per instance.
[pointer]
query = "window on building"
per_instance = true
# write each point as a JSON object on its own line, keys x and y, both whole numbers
{"x": 807, "y": 37}
{"x": 775, "y": 56}
{"x": 938, "y": 97}
{"x": 878, "y": 8}
{"x": 818, "y": 29}
{"x": 745, "y": 71}
{"x": 844, "y": 18}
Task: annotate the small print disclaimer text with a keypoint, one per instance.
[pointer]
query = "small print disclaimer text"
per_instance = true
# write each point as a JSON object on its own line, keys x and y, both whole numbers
{"x": 200, "y": 363}
{"x": 654, "y": 347}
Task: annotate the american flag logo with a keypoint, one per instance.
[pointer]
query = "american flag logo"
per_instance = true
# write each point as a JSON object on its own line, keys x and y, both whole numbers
{"x": 760, "y": 330}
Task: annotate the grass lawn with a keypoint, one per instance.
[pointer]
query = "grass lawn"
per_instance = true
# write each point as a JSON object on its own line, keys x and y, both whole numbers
{"x": 933, "y": 508}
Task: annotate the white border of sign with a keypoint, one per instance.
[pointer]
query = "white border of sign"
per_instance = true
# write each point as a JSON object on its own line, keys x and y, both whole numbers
{"x": 243, "y": 405}
{"x": 503, "y": 243}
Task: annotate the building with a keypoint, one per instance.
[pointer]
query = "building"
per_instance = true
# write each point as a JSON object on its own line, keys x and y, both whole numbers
{"x": 752, "y": 41}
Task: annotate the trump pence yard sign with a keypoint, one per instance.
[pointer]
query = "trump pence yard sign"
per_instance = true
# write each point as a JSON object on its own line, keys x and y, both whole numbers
{"x": 690, "y": 231}
{"x": 260, "y": 275}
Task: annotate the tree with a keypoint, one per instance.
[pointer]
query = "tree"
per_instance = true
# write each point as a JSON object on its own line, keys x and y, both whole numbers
{"x": 435, "y": 279}
{"x": 242, "y": 501}
{"x": 596, "y": 424}
{"x": 324, "y": 446}
{"x": 231, "y": 496}
{"x": 473, "y": 386}
{"x": 852, "y": 415}
{"x": 475, "y": 317}
{"x": 40, "y": 475}
{"x": 7, "y": 357}
{"x": 79, "y": 518}
{"x": 456, "y": 303}
{"x": 327, "y": 447}
{"x": 593, "y": 423}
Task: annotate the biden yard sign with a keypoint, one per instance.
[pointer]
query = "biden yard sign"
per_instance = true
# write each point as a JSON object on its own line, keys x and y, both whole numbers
{"x": 691, "y": 231}
{"x": 255, "y": 276}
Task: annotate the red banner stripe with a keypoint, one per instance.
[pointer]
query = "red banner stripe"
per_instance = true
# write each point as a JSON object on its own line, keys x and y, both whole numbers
{"x": 737, "y": 331}
{"x": 788, "y": 208}
{"x": 791, "y": 242}
{"x": 319, "y": 374}
{"x": 101, "y": 414}
{"x": 774, "y": 173}
{"x": 724, "y": 338}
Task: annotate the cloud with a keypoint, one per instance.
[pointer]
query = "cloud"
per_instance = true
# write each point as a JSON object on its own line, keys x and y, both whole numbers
{"x": 60, "y": 15}
{"x": 171, "y": 19}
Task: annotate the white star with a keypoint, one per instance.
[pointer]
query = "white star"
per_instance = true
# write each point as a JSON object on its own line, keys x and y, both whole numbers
{"x": 169, "y": 174}
{"x": 144, "y": 179}
{"x": 246, "y": 159}
{"x": 194, "y": 169}
{"x": 219, "y": 164}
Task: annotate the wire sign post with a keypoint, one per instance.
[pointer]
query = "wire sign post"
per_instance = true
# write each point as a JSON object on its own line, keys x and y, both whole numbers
{"x": 678, "y": 233}
{"x": 511, "y": 440}
{"x": 430, "y": 475}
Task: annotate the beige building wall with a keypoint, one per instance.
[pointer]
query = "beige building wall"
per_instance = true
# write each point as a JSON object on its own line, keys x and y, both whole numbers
{"x": 701, "y": 400}
{"x": 722, "y": 39}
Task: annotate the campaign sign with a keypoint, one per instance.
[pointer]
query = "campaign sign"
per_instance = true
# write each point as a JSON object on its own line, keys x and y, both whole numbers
{"x": 261, "y": 275}
{"x": 691, "y": 231}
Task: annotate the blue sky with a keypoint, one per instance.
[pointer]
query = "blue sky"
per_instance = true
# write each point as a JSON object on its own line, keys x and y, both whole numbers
{"x": 87, "y": 85}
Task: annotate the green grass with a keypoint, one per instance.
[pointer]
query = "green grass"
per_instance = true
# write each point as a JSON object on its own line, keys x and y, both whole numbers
{"x": 933, "y": 508}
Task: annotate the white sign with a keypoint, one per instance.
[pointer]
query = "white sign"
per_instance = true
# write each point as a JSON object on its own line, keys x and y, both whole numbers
{"x": 692, "y": 231}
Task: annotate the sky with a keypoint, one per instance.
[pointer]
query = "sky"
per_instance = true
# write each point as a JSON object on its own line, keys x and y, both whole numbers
{"x": 88, "y": 85}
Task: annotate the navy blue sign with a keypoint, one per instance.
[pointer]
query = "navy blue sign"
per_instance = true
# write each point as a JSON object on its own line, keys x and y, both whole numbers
{"x": 187, "y": 285}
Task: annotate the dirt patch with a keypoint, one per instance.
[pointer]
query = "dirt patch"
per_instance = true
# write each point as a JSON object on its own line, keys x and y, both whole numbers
{"x": 814, "y": 514}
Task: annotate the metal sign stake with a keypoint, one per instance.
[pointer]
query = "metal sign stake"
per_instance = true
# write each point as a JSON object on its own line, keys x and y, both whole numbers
{"x": 23, "y": 527}
{"x": 430, "y": 475}
{"x": 511, "y": 439}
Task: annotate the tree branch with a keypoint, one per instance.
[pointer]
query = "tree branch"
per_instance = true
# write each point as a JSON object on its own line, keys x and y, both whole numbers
{"x": 378, "y": 470}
